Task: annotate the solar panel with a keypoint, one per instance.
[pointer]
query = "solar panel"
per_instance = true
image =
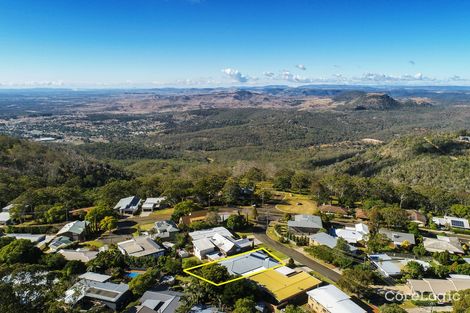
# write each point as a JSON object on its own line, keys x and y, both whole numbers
{"x": 457, "y": 223}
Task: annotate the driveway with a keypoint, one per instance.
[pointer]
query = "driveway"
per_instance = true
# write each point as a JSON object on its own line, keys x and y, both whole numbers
{"x": 260, "y": 234}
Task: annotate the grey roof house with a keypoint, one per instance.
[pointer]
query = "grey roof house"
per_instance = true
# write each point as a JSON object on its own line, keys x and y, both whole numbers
{"x": 327, "y": 240}
{"x": 74, "y": 230}
{"x": 305, "y": 224}
{"x": 165, "y": 229}
{"x": 249, "y": 263}
{"x": 158, "y": 302}
{"x": 398, "y": 238}
{"x": 129, "y": 205}
{"x": 140, "y": 246}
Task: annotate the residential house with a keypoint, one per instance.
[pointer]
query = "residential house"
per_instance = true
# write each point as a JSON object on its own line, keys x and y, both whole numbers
{"x": 158, "y": 302}
{"x": 95, "y": 277}
{"x": 140, "y": 246}
{"x": 450, "y": 221}
{"x": 129, "y": 205}
{"x": 353, "y": 234}
{"x": 78, "y": 255}
{"x": 330, "y": 299}
{"x": 284, "y": 285}
{"x": 217, "y": 242}
{"x": 202, "y": 308}
{"x": 439, "y": 288}
{"x": 151, "y": 204}
{"x": 305, "y": 224}
{"x": 417, "y": 217}
{"x": 442, "y": 243}
{"x": 398, "y": 238}
{"x": 249, "y": 264}
{"x": 114, "y": 296}
{"x": 325, "y": 239}
{"x": 76, "y": 230}
{"x": 333, "y": 209}
{"x": 165, "y": 229}
{"x": 391, "y": 267}
{"x": 59, "y": 243}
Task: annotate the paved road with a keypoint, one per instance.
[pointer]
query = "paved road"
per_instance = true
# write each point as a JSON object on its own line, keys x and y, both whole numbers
{"x": 297, "y": 256}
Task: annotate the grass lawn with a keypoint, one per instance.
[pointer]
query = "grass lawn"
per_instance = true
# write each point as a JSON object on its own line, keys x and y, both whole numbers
{"x": 168, "y": 211}
{"x": 297, "y": 204}
{"x": 147, "y": 226}
{"x": 93, "y": 243}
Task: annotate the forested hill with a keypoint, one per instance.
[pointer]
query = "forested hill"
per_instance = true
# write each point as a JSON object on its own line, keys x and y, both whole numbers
{"x": 426, "y": 162}
{"x": 26, "y": 165}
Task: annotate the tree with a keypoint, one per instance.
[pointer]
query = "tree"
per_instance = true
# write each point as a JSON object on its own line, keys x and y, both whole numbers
{"x": 54, "y": 261}
{"x": 110, "y": 194}
{"x": 108, "y": 223}
{"x": 141, "y": 283}
{"x": 356, "y": 280}
{"x": 463, "y": 304}
{"x": 245, "y": 305}
{"x": 20, "y": 251}
{"x": 74, "y": 267}
{"x": 236, "y": 222}
{"x": 282, "y": 179}
{"x": 419, "y": 250}
{"x": 231, "y": 191}
{"x": 300, "y": 181}
{"x": 96, "y": 214}
{"x": 183, "y": 208}
{"x": 10, "y": 302}
{"x": 413, "y": 270}
{"x": 56, "y": 214}
{"x": 378, "y": 242}
{"x": 460, "y": 210}
{"x": 291, "y": 263}
{"x": 293, "y": 309}
{"x": 392, "y": 308}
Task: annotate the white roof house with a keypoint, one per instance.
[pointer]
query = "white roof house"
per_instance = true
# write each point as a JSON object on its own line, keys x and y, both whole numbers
{"x": 438, "y": 287}
{"x": 442, "y": 243}
{"x": 353, "y": 234}
{"x": 34, "y": 238}
{"x": 331, "y": 299}
{"x": 140, "y": 246}
{"x": 78, "y": 255}
{"x": 327, "y": 240}
{"x": 4, "y": 218}
{"x": 151, "y": 204}
{"x": 208, "y": 240}
{"x": 452, "y": 222}
{"x": 95, "y": 277}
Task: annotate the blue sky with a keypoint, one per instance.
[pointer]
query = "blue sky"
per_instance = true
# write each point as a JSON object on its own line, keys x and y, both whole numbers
{"x": 240, "y": 42}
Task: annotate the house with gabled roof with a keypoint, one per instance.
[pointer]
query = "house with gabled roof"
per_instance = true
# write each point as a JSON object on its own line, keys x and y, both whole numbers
{"x": 140, "y": 246}
{"x": 76, "y": 230}
{"x": 305, "y": 224}
{"x": 129, "y": 205}
{"x": 330, "y": 299}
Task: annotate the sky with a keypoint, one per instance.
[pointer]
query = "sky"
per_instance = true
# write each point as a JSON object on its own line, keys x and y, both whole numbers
{"x": 152, "y": 43}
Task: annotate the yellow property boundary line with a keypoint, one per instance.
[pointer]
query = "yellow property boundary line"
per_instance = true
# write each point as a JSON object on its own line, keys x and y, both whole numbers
{"x": 188, "y": 270}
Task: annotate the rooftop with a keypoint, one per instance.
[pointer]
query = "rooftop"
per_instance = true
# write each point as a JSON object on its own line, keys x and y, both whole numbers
{"x": 95, "y": 277}
{"x": 284, "y": 287}
{"x": 76, "y": 227}
{"x": 77, "y": 255}
{"x": 248, "y": 264}
{"x": 126, "y": 203}
{"x": 306, "y": 221}
{"x": 161, "y": 302}
{"x": 441, "y": 244}
{"x": 209, "y": 233}
{"x": 398, "y": 237}
{"x": 140, "y": 246}
{"x": 334, "y": 300}
{"x": 31, "y": 237}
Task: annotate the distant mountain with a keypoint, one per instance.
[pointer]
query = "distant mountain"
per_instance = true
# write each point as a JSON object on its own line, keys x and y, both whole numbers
{"x": 360, "y": 100}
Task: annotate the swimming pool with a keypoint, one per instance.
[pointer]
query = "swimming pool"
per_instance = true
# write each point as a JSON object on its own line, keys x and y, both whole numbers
{"x": 132, "y": 274}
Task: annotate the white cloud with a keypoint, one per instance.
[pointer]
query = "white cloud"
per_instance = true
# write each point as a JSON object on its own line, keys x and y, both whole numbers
{"x": 235, "y": 75}
{"x": 301, "y": 67}
{"x": 269, "y": 74}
